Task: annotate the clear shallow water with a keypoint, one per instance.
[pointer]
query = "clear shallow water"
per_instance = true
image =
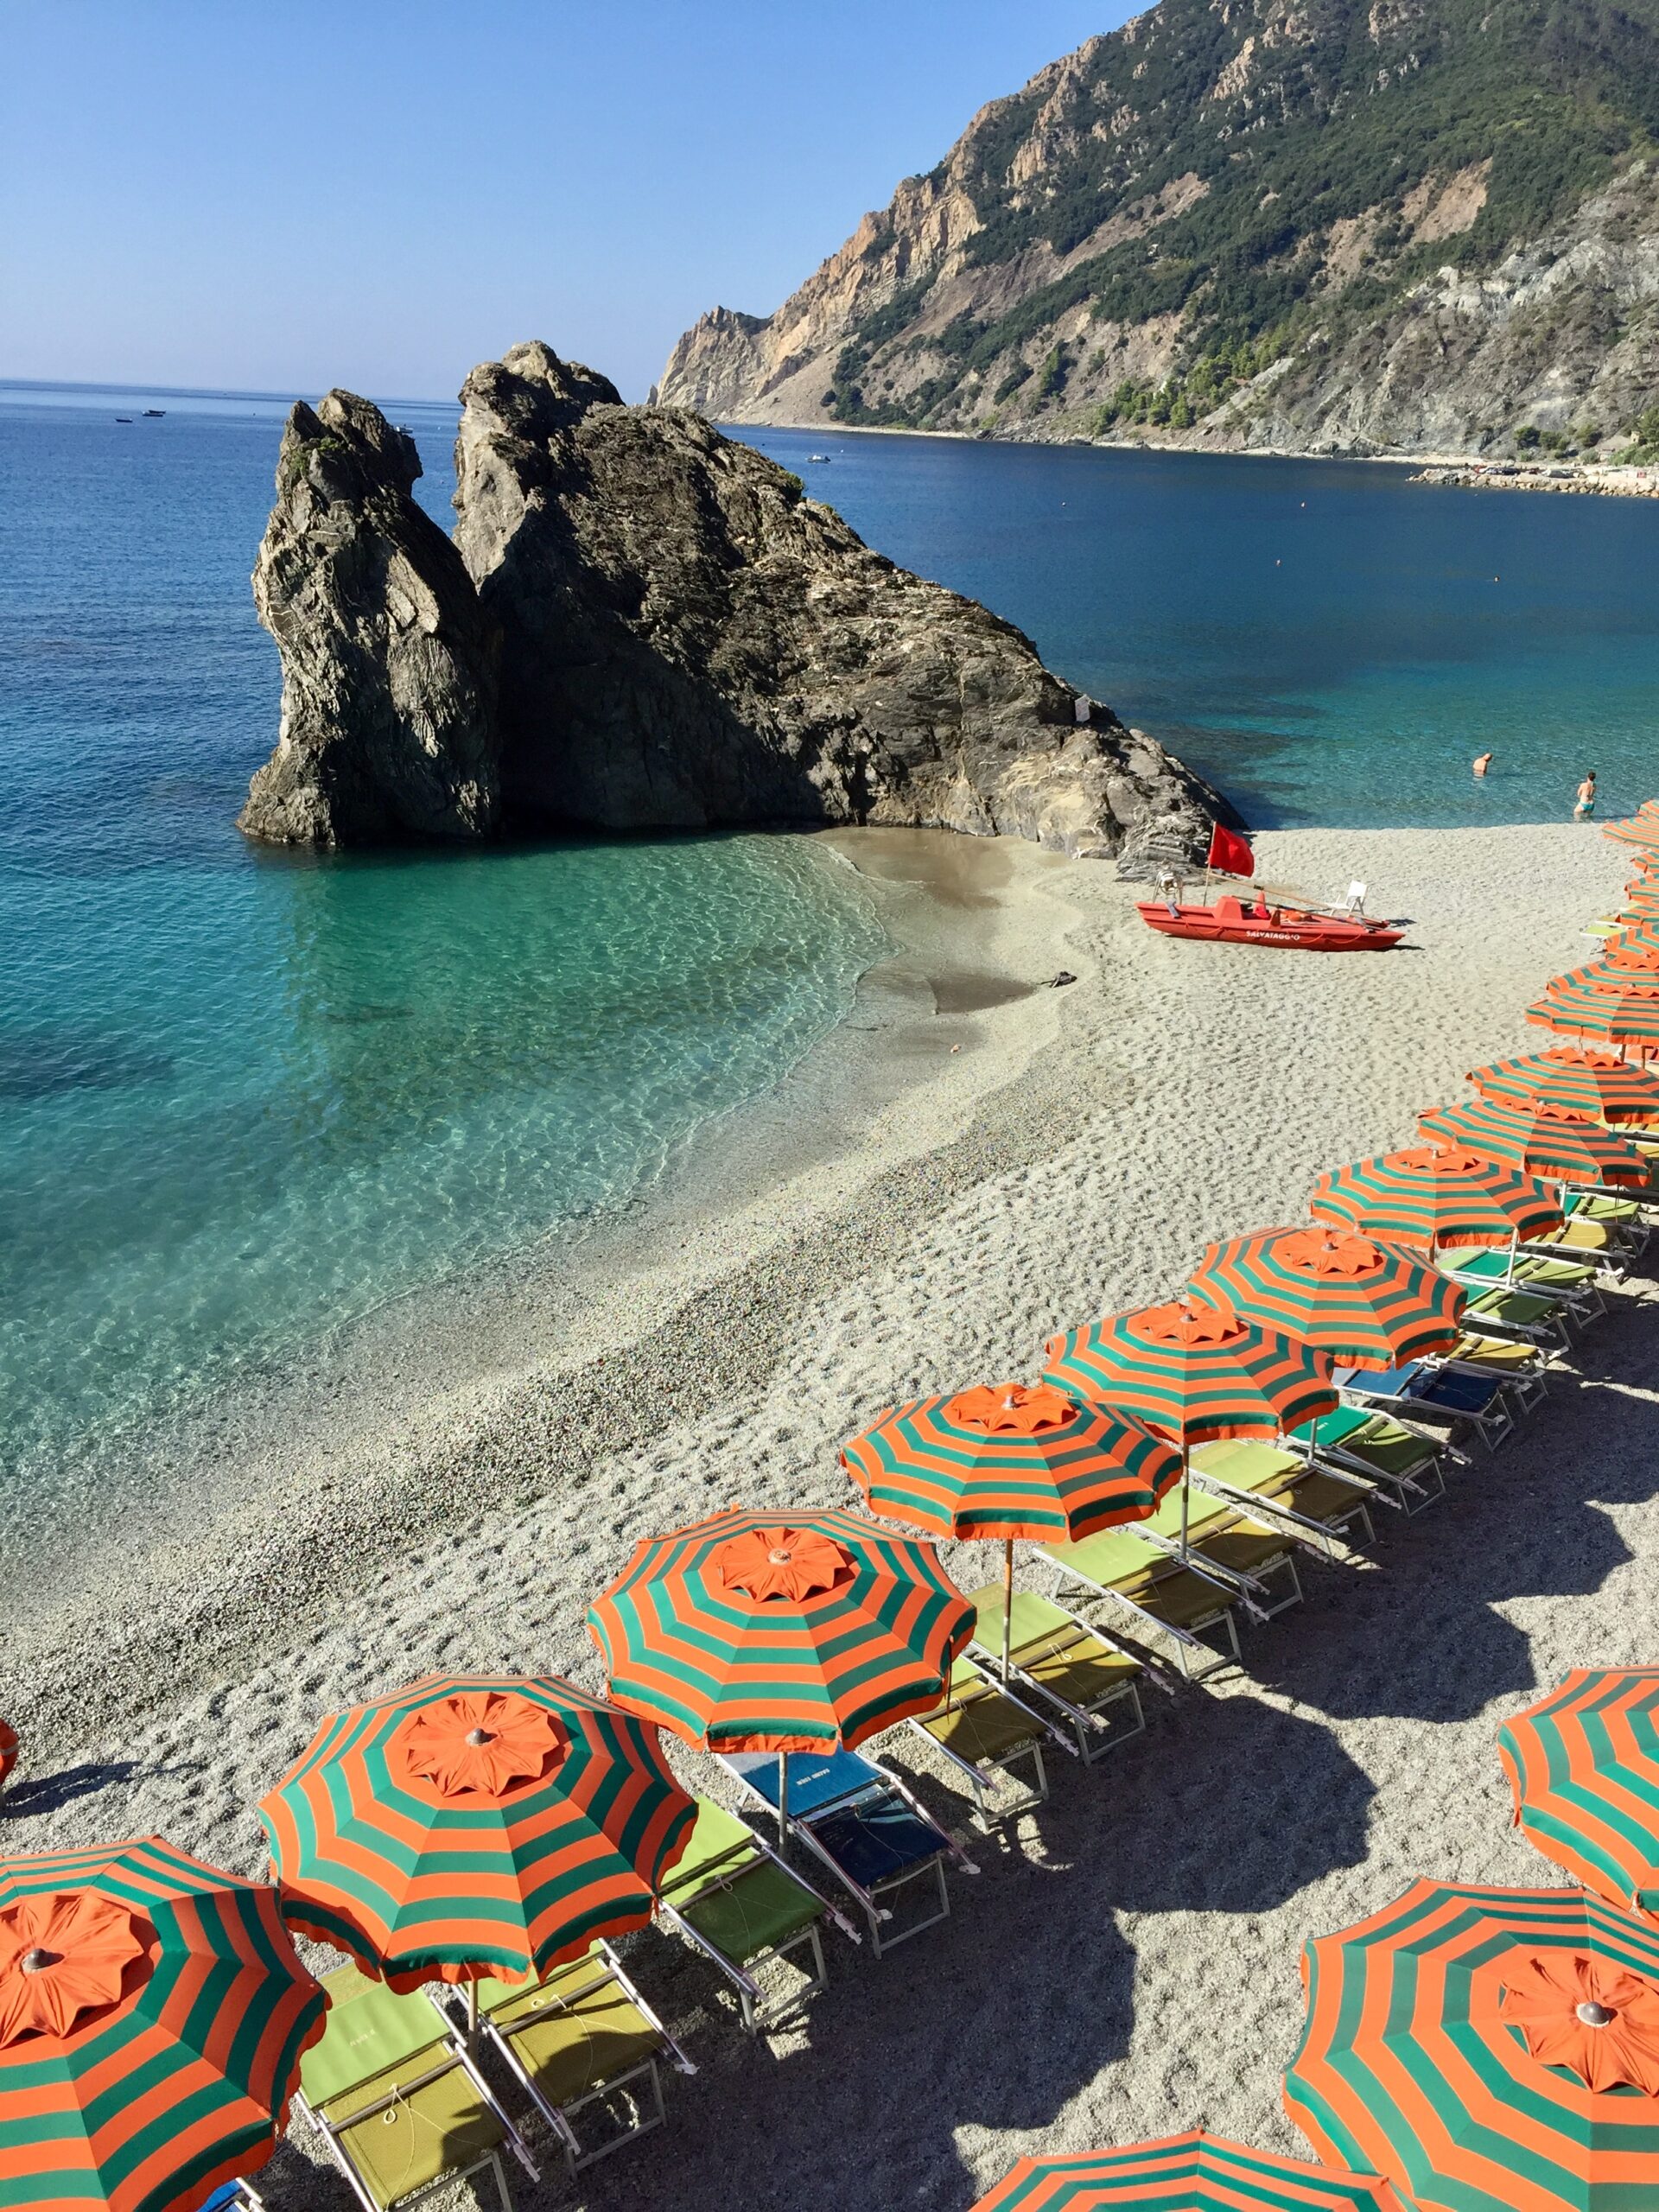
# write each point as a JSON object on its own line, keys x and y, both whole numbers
{"x": 245, "y": 1096}
{"x": 1328, "y": 642}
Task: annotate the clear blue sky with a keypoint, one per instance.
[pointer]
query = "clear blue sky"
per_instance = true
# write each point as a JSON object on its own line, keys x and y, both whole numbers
{"x": 277, "y": 195}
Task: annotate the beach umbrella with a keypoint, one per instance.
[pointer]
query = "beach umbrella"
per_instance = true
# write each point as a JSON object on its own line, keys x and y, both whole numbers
{"x": 1361, "y": 1303}
{"x": 1640, "y": 830}
{"x": 1598, "y": 1085}
{"x": 1193, "y": 2173}
{"x": 1435, "y": 1195}
{"x": 152, "y": 2017}
{"x": 780, "y": 1632}
{"x": 1486, "y": 2050}
{"x": 1584, "y": 1767}
{"x": 1005, "y": 1462}
{"x": 474, "y": 1825}
{"x": 1622, "y": 1016}
{"x": 1605, "y": 975}
{"x": 1193, "y": 1371}
{"x": 1539, "y": 1140}
{"x": 1634, "y": 945}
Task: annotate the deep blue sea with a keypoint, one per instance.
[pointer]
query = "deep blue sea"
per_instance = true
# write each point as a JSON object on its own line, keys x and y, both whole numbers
{"x": 245, "y": 1096}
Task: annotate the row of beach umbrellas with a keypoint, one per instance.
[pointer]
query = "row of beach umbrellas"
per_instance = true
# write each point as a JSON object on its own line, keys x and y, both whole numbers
{"x": 470, "y": 1827}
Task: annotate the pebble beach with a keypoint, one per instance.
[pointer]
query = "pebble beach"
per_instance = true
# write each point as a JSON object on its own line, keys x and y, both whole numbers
{"x": 975, "y": 1161}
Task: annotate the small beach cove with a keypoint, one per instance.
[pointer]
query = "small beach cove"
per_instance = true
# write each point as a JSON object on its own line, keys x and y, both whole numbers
{"x": 1077, "y": 1157}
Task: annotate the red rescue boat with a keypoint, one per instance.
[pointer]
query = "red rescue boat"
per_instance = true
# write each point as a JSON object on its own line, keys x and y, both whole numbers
{"x": 1257, "y": 921}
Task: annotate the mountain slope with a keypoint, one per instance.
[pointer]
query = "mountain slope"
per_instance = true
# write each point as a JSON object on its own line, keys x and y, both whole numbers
{"x": 1414, "y": 224}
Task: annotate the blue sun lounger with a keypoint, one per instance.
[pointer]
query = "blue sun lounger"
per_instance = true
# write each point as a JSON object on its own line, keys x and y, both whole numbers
{"x": 1442, "y": 1397}
{"x": 862, "y": 1823}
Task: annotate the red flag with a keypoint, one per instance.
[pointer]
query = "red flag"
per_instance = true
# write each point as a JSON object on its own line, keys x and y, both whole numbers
{"x": 1230, "y": 853}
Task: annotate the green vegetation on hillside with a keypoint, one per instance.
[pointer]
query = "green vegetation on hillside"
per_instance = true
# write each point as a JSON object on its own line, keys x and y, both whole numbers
{"x": 1330, "y": 126}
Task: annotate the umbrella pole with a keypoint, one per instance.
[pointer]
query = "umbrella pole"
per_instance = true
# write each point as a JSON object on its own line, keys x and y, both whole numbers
{"x": 472, "y": 2014}
{"x": 783, "y": 1797}
{"x": 1008, "y": 1605}
{"x": 1185, "y": 1472}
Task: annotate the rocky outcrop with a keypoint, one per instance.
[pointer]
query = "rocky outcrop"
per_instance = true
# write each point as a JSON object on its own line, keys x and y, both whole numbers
{"x": 1136, "y": 247}
{"x": 642, "y": 625}
{"x": 688, "y": 640}
{"x": 388, "y": 662}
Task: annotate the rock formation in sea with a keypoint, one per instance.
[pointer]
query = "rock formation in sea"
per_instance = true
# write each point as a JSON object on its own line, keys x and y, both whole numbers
{"x": 684, "y": 640}
{"x": 388, "y": 662}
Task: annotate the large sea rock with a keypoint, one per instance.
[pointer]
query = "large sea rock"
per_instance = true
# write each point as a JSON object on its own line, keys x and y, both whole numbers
{"x": 388, "y": 662}
{"x": 662, "y": 633}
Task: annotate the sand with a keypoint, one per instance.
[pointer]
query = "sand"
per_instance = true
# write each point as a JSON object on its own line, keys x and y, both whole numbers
{"x": 904, "y": 1217}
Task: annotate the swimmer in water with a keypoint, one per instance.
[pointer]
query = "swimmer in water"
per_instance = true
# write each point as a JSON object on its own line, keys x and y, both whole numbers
{"x": 1483, "y": 762}
{"x": 1586, "y": 800}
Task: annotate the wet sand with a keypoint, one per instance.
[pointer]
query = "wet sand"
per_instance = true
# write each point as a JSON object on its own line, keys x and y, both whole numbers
{"x": 905, "y": 1216}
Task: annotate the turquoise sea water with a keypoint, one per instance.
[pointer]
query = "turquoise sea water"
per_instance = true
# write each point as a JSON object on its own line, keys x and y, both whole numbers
{"x": 1329, "y": 642}
{"x": 245, "y": 1096}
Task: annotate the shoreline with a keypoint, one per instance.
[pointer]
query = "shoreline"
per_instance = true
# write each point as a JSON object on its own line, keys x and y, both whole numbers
{"x": 443, "y": 1411}
{"x": 976, "y": 930}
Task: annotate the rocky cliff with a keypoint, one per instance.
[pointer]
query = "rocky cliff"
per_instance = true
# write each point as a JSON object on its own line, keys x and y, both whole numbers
{"x": 658, "y": 629}
{"x": 389, "y": 664}
{"x": 1409, "y": 226}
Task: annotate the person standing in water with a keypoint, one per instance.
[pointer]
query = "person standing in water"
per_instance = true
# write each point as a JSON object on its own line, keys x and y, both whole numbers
{"x": 1483, "y": 762}
{"x": 1587, "y": 795}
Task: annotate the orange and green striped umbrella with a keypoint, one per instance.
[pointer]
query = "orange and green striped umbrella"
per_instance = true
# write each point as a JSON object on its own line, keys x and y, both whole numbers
{"x": 1538, "y": 1139}
{"x": 1009, "y": 1462}
{"x": 474, "y": 1825}
{"x": 1633, "y": 951}
{"x": 1193, "y": 1371}
{"x": 1193, "y": 2173}
{"x": 1361, "y": 1303}
{"x": 1434, "y": 1194}
{"x": 1583, "y": 1765}
{"x": 1486, "y": 2050}
{"x": 1598, "y": 1085}
{"x": 152, "y": 2017}
{"x": 1576, "y": 1009}
{"x": 780, "y": 1632}
{"x": 1605, "y": 975}
{"x": 1001, "y": 1460}
{"x": 1640, "y": 830}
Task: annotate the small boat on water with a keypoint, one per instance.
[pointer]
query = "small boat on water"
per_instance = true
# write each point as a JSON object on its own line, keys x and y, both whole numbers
{"x": 817, "y": 456}
{"x": 1257, "y": 921}
{"x": 154, "y": 414}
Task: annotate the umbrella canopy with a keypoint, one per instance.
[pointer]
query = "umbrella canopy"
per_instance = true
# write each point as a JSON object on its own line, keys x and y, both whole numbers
{"x": 774, "y": 1632}
{"x": 1583, "y": 1765}
{"x": 1605, "y": 975}
{"x": 1576, "y": 1009}
{"x": 1633, "y": 951}
{"x": 152, "y": 2017}
{"x": 1435, "y": 1194}
{"x": 1539, "y": 1140}
{"x": 474, "y": 1824}
{"x": 1010, "y": 1462}
{"x": 1486, "y": 2050}
{"x": 1598, "y": 1085}
{"x": 1361, "y": 1303}
{"x": 1194, "y": 1372}
{"x": 1193, "y": 2173}
{"x": 1638, "y": 831}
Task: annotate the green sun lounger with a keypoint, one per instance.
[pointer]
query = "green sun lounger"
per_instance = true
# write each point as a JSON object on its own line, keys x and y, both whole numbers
{"x": 1569, "y": 1283}
{"x": 1179, "y": 1600}
{"x": 1323, "y": 1502}
{"x": 1068, "y": 1666}
{"x": 398, "y": 2099}
{"x": 735, "y": 1901}
{"x": 1406, "y": 1467}
{"x": 583, "y": 2037}
{"x": 988, "y": 1734}
{"x": 1251, "y": 1550}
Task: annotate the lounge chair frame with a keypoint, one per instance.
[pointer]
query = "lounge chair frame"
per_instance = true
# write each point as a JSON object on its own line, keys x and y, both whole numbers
{"x": 1318, "y": 1535}
{"x": 454, "y": 2053}
{"x": 1095, "y": 1736}
{"x": 608, "y": 1969}
{"x": 1184, "y": 1639}
{"x": 882, "y": 1781}
{"x": 1028, "y": 1794}
{"x": 759, "y": 2010}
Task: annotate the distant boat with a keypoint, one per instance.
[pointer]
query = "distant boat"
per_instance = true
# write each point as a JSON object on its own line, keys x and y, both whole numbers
{"x": 123, "y": 418}
{"x": 155, "y": 413}
{"x": 817, "y": 456}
